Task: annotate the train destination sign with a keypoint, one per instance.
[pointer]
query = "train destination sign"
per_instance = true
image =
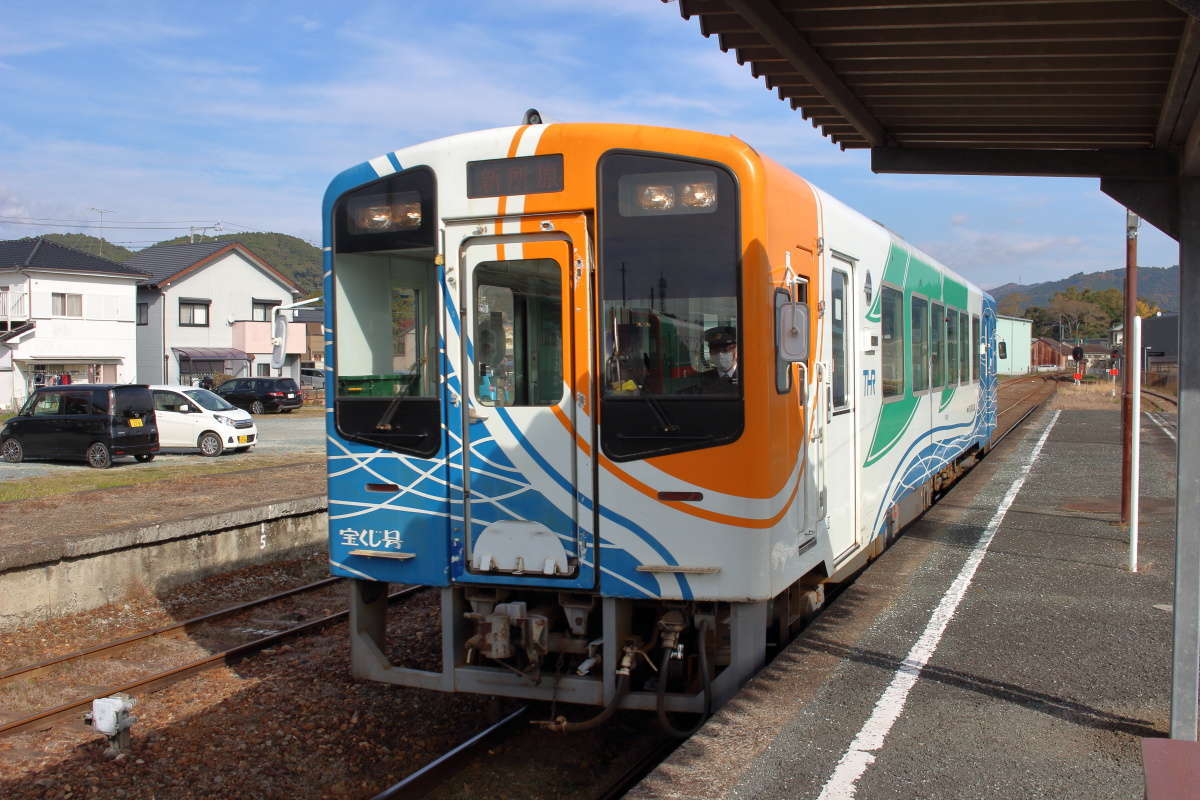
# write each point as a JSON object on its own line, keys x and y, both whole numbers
{"x": 525, "y": 175}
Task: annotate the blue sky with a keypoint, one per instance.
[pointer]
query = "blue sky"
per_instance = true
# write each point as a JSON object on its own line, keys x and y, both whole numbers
{"x": 173, "y": 114}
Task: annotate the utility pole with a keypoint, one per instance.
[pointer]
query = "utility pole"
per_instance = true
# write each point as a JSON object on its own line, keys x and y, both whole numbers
{"x": 1132, "y": 222}
{"x": 101, "y": 212}
{"x": 202, "y": 228}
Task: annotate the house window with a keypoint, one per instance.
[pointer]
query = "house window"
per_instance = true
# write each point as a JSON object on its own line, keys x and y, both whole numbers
{"x": 66, "y": 305}
{"x": 264, "y": 370}
{"x": 263, "y": 310}
{"x": 143, "y": 313}
{"x": 193, "y": 313}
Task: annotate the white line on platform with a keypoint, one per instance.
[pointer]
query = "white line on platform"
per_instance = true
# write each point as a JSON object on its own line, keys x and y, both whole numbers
{"x": 860, "y": 755}
{"x": 1162, "y": 427}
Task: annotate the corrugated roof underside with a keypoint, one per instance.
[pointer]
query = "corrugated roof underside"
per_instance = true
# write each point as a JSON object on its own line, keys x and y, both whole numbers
{"x": 1074, "y": 74}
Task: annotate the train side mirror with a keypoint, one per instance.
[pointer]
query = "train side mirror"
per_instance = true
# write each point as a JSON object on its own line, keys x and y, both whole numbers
{"x": 792, "y": 332}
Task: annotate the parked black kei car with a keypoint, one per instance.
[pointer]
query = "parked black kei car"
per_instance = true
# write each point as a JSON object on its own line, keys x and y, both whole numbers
{"x": 257, "y": 395}
{"x": 91, "y": 422}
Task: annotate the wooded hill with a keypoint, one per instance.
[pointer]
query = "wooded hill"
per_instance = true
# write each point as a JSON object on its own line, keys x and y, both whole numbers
{"x": 1157, "y": 285}
{"x": 295, "y": 258}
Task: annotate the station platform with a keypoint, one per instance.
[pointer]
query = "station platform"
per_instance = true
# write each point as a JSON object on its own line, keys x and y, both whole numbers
{"x": 999, "y": 649}
{"x": 74, "y": 552}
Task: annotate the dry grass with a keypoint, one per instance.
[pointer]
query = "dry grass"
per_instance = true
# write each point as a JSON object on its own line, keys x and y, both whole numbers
{"x": 1089, "y": 396}
{"x": 83, "y": 480}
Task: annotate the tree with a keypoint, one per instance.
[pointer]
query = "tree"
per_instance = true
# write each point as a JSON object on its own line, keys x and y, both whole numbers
{"x": 1013, "y": 305}
{"x": 1077, "y": 318}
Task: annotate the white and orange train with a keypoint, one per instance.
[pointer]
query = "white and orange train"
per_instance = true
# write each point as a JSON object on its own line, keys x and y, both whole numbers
{"x": 629, "y": 397}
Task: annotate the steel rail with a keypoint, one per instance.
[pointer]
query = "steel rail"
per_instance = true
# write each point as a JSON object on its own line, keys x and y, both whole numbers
{"x": 1041, "y": 386}
{"x": 428, "y": 777}
{"x": 1023, "y": 417}
{"x": 120, "y": 644}
{"x": 167, "y": 677}
{"x": 1166, "y": 397}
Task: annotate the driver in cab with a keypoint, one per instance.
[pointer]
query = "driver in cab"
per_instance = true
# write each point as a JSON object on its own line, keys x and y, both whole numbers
{"x": 723, "y": 354}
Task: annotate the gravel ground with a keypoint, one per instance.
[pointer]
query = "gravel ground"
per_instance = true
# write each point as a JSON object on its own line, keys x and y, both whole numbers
{"x": 146, "y": 611}
{"x": 288, "y": 722}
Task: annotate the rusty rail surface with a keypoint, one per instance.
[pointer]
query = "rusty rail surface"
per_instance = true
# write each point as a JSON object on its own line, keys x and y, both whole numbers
{"x": 1167, "y": 397}
{"x": 178, "y": 627}
{"x": 164, "y": 678}
{"x": 436, "y": 772}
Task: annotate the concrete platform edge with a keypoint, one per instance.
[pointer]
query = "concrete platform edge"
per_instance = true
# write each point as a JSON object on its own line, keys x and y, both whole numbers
{"x": 42, "y": 552}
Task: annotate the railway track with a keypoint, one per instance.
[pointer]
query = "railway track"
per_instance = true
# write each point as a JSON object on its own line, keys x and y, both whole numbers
{"x": 62, "y": 687}
{"x": 1033, "y": 399}
{"x": 445, "y": 766}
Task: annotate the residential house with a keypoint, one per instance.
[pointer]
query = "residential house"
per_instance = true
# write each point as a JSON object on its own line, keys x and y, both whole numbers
{"x": 207, "y": 309}
{"x": 64, "y": 315}
{"x": 313, "y": 319}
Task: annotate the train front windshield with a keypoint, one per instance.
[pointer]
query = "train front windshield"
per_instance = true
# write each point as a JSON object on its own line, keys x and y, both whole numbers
{"x": 670, "y": 288}
{"x": 386, "y": 311}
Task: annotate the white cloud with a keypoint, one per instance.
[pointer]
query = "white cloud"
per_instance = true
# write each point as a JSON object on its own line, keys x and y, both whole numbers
{"x": 991, "y": 257}
{"x": 196, "y": 66}
{"x": 305, "y": 23}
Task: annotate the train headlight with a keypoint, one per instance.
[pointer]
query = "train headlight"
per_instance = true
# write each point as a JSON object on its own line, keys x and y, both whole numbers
{"x": 702, "y": 194}
{"x": 656, "y": 197}
{"x": 379, "y": 213}
{"x": 668, "y": 193}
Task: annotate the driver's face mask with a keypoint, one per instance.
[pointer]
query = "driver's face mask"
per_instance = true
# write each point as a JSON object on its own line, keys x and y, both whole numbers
{"x": 725, "y": 360}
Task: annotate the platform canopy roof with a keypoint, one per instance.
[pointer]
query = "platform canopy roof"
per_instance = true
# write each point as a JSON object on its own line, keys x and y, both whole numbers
{"x": 1085, "y": 88}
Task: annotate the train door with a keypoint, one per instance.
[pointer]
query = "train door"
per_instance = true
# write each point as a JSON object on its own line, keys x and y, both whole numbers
{"x": 841, "y": 444}
{"x": 524, "y": 456}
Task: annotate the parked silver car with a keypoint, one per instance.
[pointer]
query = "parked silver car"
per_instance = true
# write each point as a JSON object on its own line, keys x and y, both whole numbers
{"x": 312, "y": 378}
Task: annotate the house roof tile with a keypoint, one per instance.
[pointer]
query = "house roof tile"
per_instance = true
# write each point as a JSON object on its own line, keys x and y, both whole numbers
{"x": 165, "y": 261}
{"x": 44, "y": 254}
{"x": 162, "y": 261}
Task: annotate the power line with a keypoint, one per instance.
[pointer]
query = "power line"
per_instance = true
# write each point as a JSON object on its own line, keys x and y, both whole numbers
{"x": 110, "y": 226}
{"x": 72, "y": 219}
{"x": 23, "y": 223}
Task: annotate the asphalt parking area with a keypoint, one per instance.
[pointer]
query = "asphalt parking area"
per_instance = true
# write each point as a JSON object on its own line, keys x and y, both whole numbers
{"x": 300, "y": 434}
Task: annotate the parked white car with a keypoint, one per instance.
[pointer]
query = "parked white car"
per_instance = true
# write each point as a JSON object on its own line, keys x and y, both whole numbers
{"x": 192, "y": 417}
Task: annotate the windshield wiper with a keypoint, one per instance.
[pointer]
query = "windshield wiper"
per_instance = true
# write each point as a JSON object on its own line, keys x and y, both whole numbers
{"x": 661, "y": 413}
{"x": 667, "y": 429}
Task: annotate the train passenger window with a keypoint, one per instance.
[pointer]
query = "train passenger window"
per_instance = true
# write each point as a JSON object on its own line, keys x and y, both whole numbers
{"x": 837, "y": 327}
{"x": 975, "y": 341}
{"x": 951, "y": 347}
{"x": 920, "y": 344}
{"x": 518, "y": 333}
{"x": 964, "y": 348}
{"x": 937, "y": 345}
{"x": 891, "y": 323}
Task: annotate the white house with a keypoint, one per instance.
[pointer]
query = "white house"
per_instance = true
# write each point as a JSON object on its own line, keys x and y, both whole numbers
{"x": 206, "y": 309}
{"x": 63, "y": 312}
